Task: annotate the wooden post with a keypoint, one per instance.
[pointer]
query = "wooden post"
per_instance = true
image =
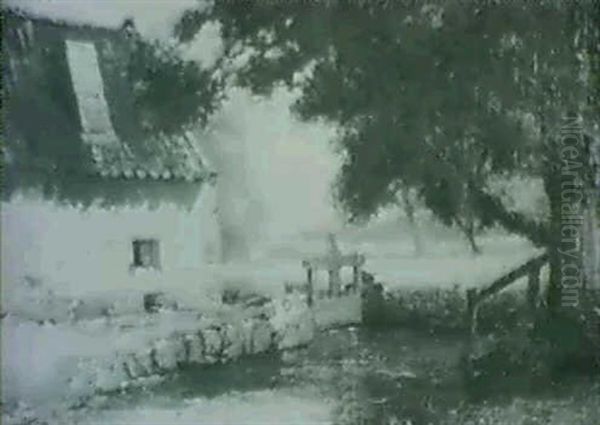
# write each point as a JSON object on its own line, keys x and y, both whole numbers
{"x": 309, "y": 286}
{"x": 472, "y": 310}
{"x": 333, "y": 262}
{"x": 355, "y": 277}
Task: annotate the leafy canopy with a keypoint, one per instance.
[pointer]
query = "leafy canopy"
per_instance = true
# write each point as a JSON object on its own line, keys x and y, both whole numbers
{"x": 436, "y": 97}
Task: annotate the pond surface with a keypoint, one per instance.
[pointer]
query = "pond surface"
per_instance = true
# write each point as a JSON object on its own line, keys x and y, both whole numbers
{"x": 346, "y": 376}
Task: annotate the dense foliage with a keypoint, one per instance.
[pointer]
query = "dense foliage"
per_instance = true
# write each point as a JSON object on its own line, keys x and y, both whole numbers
{"x": 169, "y": 92}
{"x": 439, "y": 98}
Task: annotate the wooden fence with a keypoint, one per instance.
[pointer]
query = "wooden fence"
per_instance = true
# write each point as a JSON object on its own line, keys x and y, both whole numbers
{"x": 531, "y": 269}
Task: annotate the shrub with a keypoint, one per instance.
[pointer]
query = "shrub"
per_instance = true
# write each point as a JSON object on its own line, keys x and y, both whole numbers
{"x": 441, "y": 310}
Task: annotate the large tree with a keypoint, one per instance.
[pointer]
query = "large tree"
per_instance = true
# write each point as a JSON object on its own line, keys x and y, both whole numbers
{"x": 439, "y": 98}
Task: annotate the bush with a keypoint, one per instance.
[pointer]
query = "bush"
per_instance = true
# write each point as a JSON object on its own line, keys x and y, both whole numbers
{"x": 441, "y": 310}
{"x": 435, "y": 309}
{"x": 516, "y": 350}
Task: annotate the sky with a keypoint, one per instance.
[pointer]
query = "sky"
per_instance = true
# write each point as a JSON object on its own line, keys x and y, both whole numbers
{"x": 153, "y": 18}
{"x": 290, "y": 165}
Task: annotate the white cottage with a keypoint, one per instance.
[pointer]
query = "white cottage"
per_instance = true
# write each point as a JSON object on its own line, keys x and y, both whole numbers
{"x": 94, "y": 203}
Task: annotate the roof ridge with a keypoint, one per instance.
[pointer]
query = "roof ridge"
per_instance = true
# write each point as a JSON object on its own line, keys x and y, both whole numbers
{"x": 22, "y": 13}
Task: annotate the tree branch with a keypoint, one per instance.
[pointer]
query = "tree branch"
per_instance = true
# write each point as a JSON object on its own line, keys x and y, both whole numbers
{"x": 537, "y": 233}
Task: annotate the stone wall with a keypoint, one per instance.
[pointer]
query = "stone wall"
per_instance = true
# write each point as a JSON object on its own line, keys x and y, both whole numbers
{"x": 280, "y": 325}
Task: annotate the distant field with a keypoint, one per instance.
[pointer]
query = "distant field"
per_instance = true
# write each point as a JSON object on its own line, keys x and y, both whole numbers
{"x": 388, "y": 249}
{"x": 389, "y": 252}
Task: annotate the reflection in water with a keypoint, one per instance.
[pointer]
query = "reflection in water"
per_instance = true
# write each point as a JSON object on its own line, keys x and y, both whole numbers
{"x": 347, "y": 376}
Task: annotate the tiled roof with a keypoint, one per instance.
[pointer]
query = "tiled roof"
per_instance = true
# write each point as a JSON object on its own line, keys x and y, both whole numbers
{"x": 90, "y": 105}
{"x": 162, "y": 158}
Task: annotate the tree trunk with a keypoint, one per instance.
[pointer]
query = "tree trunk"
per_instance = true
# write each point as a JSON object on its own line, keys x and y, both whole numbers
{"x": 566, "y": 195}
{"x": 467, "y": 227}
{"x": 475, "y": 249}
{"x": 552, "y": 186}
{"x": 409, "y": 209}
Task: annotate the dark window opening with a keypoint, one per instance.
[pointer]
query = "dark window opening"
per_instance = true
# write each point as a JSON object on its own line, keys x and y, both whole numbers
{"x": 146, "y": 254}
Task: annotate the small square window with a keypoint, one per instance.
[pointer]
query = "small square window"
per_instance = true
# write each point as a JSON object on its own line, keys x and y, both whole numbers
{"x": 146, "y": 254}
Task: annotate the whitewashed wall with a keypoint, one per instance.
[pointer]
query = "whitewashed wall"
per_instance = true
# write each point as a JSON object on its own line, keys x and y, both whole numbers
{"x": 75, "y": 252}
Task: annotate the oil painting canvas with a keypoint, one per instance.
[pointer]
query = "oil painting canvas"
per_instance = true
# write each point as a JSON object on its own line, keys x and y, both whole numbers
{"x": 293, "y": 212}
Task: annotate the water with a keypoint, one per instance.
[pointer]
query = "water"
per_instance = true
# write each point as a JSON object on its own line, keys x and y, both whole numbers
{"x": 346, "y": 376}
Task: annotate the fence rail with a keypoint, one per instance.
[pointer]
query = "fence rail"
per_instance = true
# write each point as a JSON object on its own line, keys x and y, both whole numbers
{"x": 531, "y": 268}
